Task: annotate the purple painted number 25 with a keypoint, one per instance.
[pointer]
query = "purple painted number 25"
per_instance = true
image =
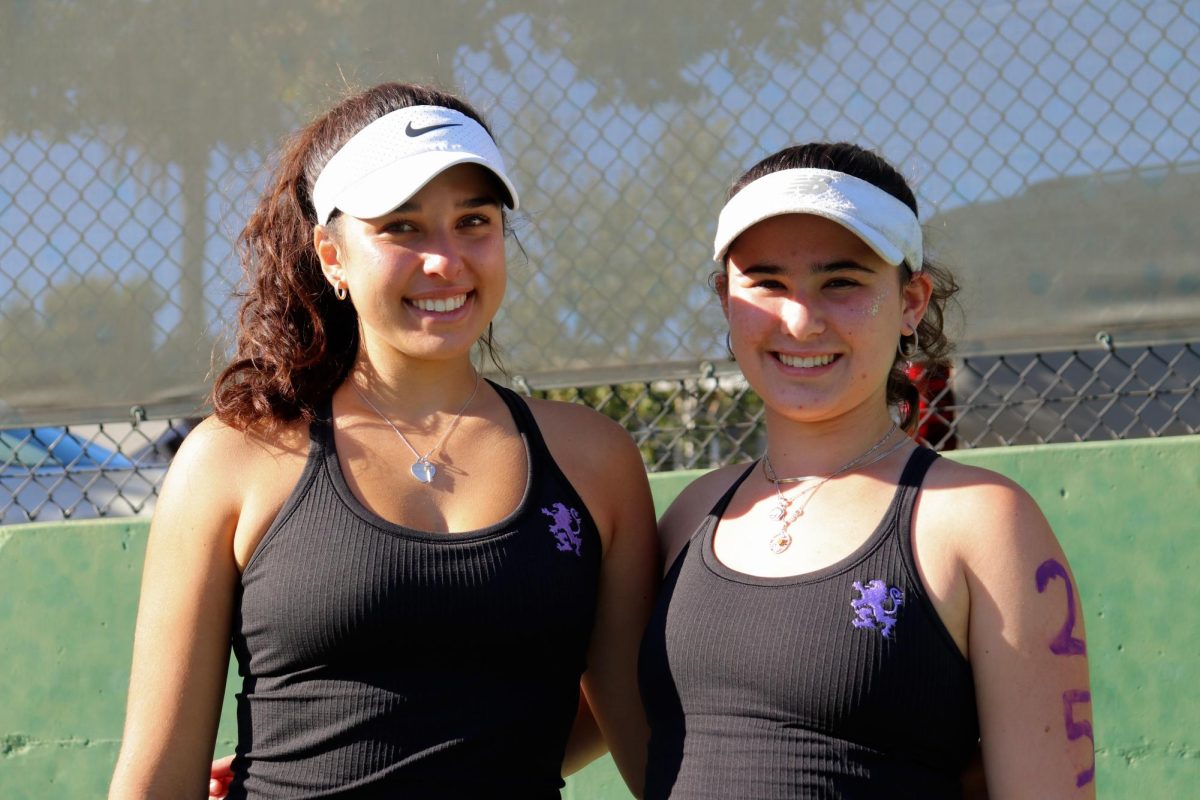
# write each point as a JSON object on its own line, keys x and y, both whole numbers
{"x": 1064, "y": 644}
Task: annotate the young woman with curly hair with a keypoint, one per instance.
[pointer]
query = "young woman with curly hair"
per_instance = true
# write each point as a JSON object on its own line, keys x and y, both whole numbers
{"x": 415, "y": 566}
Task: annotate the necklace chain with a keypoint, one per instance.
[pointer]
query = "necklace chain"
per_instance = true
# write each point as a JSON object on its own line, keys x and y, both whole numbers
{"x": 769, "y": 470}
{"x": 423, "y": 469}
{"x": 782, "y": 512}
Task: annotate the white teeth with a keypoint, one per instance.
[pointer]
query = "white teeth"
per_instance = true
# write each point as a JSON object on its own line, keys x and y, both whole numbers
{"x": 811, "y": 361}
{"x": 441, "y": 305}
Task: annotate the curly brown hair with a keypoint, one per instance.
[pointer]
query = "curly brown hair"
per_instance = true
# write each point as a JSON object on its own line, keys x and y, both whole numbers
{"x": 934, "y": 346}
{"x": 295, "y": 341}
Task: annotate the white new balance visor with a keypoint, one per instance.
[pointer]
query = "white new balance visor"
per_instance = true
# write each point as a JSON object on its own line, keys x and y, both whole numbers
{"x": 388, "y": 161}
{"x": 883, "y": 222}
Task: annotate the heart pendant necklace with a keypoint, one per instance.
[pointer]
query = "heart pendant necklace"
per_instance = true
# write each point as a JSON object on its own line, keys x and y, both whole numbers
{"x": 422, "y": 469}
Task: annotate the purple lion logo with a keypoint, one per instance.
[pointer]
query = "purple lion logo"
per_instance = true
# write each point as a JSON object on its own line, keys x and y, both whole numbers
{"x": 871, "y": 606}
{"x": 566, "y": 528}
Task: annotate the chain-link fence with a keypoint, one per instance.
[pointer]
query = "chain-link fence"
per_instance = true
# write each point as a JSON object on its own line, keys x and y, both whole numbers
{"x": 714, "y": 418}
{"x": 1054, "y": 149}
{"x": 682, "y": 420}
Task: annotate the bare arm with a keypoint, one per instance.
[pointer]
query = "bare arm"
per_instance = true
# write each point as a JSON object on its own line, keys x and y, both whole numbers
{"x": 1027, "y": 650}
{"x": 628, "y": 583}
{"x": 181, "y": 643}
{"x": 606, "y": 468}
{"x": 585, "y": 743}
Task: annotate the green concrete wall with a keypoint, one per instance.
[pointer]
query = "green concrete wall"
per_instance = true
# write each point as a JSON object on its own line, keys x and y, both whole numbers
{"x": 1127, "y": 513}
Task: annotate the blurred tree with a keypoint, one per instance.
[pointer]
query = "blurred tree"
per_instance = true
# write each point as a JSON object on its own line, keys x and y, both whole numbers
{"x": 616, "y": 240}
{"x": 637, "y": 52}
{"x": 168, "y": 83}
{"x": 81, "y": 318}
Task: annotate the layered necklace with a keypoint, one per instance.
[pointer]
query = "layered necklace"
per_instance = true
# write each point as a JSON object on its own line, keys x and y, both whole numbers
{"x": 423, "y": 469}
{"x": 785, "y": 515}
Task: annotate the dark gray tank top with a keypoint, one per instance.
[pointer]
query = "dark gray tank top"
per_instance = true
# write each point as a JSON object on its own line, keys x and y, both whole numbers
{"x": 380, "y": 661}
{"x": 839, "y": 683}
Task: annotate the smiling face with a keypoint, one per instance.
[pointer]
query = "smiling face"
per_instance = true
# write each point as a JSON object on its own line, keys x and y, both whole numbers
{"x": 815, "y": 316}
{"x": 428, "y": 277}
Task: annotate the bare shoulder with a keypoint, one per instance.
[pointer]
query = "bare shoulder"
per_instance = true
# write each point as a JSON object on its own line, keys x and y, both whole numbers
{"x": 576, "y": 422}
{"x": 215, "y": 447}
{"x": 690, "y": 507}
{"x": 211, "y": 450}
{"x": 218, "y": 468}
{"x": 583, "y": 439}
{"x": 604, "y": 465}
{"x": 980, "y": 512}
{"x": 955, "y": 488}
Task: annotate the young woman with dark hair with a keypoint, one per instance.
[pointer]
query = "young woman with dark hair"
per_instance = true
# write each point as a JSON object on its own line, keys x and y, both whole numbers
{"x": 415, "y": 566}
{"x": 852, "y": 616}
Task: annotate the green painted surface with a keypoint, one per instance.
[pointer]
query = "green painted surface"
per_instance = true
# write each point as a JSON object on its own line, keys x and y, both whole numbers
{"x": 75, "y": 768}
{"x": 1128, "y": 517}
{"x": 1127, "y": 514}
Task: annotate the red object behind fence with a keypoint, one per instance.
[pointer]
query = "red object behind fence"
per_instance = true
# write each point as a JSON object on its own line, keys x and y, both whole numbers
{"x": 935, "y": 419}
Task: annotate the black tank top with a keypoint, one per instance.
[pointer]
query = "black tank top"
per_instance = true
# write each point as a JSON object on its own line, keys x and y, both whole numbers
{"x": 838, "y": 683}
{"x": 380, "y": 661}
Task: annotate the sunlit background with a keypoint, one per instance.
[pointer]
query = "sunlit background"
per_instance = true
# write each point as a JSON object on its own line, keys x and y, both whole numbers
{"x": 1053, "y": 146}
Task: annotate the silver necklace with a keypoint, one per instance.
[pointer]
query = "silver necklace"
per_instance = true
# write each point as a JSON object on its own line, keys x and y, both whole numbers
{"x": 422, "y": 469}
{"x": 769, "y": 470}
{"x": 782, "y": 512}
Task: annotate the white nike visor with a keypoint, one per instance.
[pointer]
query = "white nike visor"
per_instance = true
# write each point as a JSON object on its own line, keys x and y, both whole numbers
{"x": 883, "y": 222}
{"x": 388, "y": 161}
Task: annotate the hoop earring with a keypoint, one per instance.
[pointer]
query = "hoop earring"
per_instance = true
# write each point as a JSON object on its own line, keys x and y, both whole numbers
{"x": 907, "y": 353}
{"x": 729, "y": 346}
{"x": 341, "y": 291}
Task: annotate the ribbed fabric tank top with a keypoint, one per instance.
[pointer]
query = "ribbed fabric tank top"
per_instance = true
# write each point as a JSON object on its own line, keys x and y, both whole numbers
{"x": 839, "y": 683}
{"x": 380, "y": 661}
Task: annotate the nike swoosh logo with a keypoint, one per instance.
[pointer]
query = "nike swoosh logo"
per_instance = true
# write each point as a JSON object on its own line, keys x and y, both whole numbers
{"x": 414, "y": 132}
